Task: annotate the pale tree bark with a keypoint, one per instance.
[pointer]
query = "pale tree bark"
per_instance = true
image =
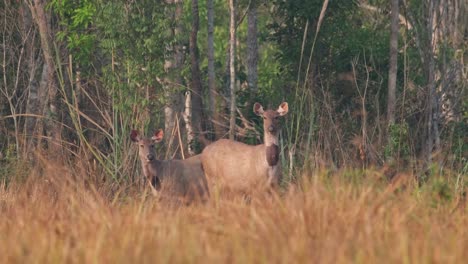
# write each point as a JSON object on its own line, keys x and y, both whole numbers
{"x": 445, "y": 26}
{"x": 197, "y": 105}
{"x": 232, "y": 70}
{"x": 392, "y": 72}
{"x": 172, "y": 83}
{"x": 48, "y": 89}
{"x": 432, "y": 138}
{"x": 33, "y": 104}
{"x": 252, "y": 48}
{"x": 441, "y": 26}
{"x": 451, "y": 27}
{"x": 188, "y": 122}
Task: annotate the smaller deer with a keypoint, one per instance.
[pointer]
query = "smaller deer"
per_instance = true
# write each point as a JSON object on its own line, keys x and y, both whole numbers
{"x": 173, "y": 178}
{"x": 240, "y": 167}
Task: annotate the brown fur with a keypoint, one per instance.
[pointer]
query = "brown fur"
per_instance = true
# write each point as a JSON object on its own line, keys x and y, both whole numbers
{"x": 171, "y": 178}
{"x": 241, "y": 167}
{"x": 272, "y": 154}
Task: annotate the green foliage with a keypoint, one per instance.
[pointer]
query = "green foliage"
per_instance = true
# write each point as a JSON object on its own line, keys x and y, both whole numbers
{"x": 12, "y": 168}
{"x": 397, "y": 145}
{"x": 76, "y": 18}
{"x": 142, "y": 26}
{"x": 334, "y": 33}
{"x": 120, "y": 48}
{"x": 354, "y": 176}
{"x": 441, "y": 190}
{"x": 459, "y": 142}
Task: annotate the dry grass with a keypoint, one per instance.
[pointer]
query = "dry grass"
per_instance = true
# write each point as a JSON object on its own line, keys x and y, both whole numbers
{"x": 53, "y": 219}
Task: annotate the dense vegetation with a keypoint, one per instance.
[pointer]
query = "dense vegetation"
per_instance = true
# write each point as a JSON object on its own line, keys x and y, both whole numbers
{"x": 374, "y": 147}
{"x": 77, "y": 75}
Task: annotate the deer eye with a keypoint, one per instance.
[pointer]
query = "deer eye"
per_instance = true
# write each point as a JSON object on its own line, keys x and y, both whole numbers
{"x": 152, "y": 146}
{"x": 276, "y": 117}
{"x": 142, "y": 146}
{"x": 264, "y": 118}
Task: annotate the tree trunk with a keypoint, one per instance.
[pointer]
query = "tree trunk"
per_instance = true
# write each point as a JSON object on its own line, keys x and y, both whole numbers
{"x": 48, "y": 89}
{"x": 392, "y": 72}
{"x": 252, "y": 48}
{"x": 211, "y": 59}
{"x": 450, "y": 29}
{"x": 214, "y": 111}
{"x": 444, "y": 26}
{"x": 232, "y": 52}
{"x": 31, "y": 85}
{"x": 188, "y": 122}
{"x": 172, "y": 83}
{"x": 197, "y": 105}
{"x": 432, "y": 102}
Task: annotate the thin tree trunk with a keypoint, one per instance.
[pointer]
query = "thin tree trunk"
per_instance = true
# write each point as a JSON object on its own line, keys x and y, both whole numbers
{"x": 226, "y": 91}
{"x": 188, "y": 122}
{"x": 451, "y": 26}
{"x": 431, "y": 113}
{"x": 434, "y": 71}
{"x": 214, "y": 111}
{"x": 33, "y": 106}
{"x": 252, "y": 48}
{"x": 211, "y": 59}
{"x": 173, "y": 81}
{"x": 48, "y": 86}
{"x": 232, "y": 52}
{"x": 392, "y": 72}
{"x": 170, "y": 115}
{"x": 197, "y": 105}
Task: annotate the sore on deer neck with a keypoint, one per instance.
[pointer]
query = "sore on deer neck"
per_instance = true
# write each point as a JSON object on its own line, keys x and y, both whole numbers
{"x": 272, "y": 149}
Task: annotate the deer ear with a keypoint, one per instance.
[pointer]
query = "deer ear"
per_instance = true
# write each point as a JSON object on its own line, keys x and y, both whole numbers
{"x": 134, "y": 136}
{"x": 258, "y": 109}
{"x": 283, "y": 109}
{"x": 158, "y": 135}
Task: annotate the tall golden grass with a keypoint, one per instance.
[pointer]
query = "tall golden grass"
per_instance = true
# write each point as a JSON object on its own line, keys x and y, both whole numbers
{"x": 54, "y": 216}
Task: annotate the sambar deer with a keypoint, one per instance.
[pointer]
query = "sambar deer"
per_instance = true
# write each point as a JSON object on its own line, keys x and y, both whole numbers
{"x": 240, "y": 167}
{"x": 182, "y": 179}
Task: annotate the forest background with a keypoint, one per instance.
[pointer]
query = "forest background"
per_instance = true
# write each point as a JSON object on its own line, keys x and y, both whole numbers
{"x": 77, "y": 76}
{"x": 374, "y": 146}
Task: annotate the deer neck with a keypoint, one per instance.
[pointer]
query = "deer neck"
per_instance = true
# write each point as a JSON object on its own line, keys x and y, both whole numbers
{"x": 270, "y": 139}
{"x": 271, "y": 149}
{"x": 151, "y": 168}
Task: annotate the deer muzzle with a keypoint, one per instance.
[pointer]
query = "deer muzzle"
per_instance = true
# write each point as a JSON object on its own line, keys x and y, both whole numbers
{"x": 150, "y": 157}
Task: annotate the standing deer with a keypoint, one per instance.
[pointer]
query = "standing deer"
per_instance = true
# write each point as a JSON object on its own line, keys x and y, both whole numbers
{"x": 172, "y": 178}
{"x": 240, "y": 167}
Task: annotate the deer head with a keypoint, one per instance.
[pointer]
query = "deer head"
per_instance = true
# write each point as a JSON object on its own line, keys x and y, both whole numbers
{"x": 146, "y": 145}
{"x": 271, "y": 117}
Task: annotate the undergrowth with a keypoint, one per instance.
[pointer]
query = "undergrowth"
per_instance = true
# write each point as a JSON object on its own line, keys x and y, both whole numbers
{"x": 53, "y": 216}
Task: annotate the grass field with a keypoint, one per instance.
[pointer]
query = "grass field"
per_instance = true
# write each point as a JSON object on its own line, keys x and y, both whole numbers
{"x": 334, "y": 218}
